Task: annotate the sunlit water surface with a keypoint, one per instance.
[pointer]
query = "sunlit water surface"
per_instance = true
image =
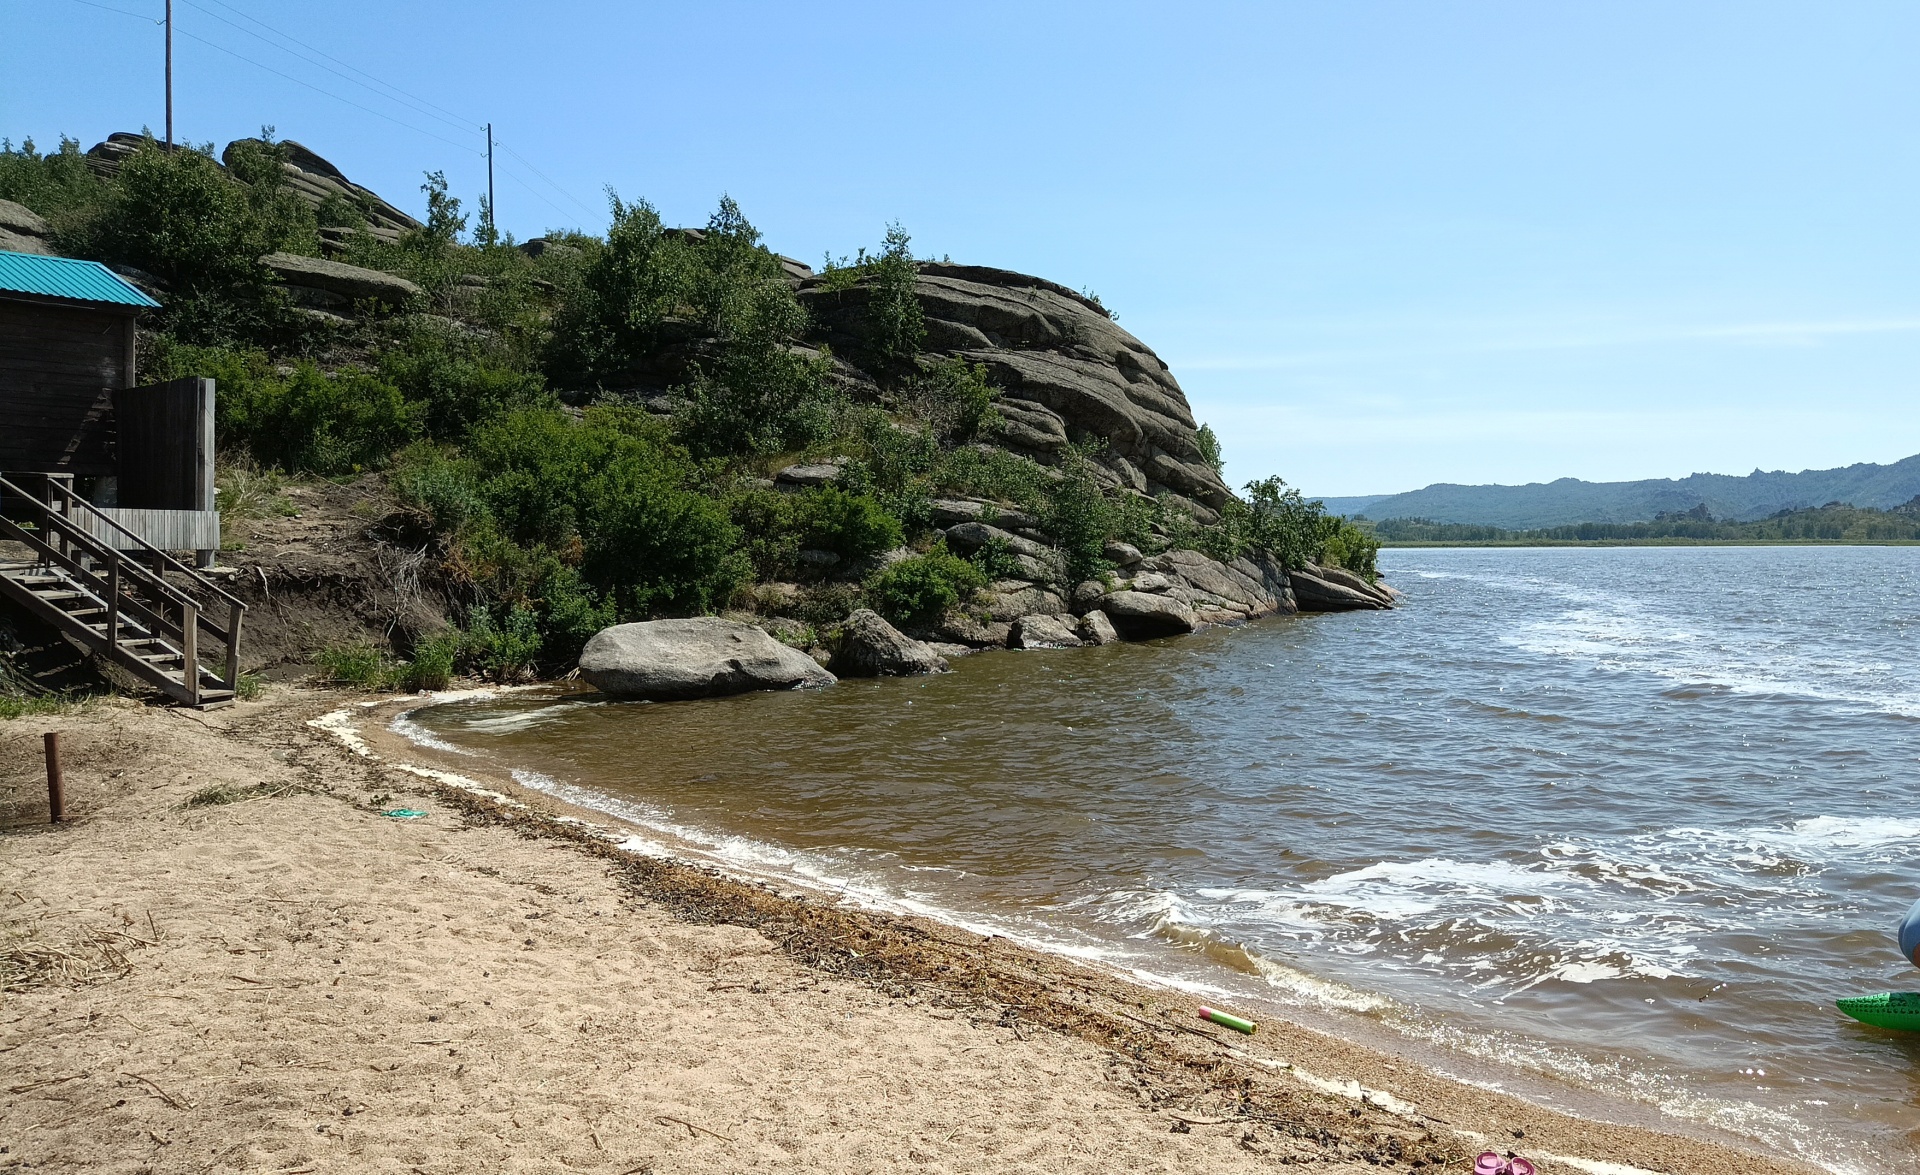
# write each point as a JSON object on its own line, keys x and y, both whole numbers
{"x": 1630, "y": 817}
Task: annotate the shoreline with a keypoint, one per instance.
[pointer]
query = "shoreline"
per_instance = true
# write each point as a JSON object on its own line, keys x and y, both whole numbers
{"x": 1419, "y": 544}
{"x": 1289, "y": 1094}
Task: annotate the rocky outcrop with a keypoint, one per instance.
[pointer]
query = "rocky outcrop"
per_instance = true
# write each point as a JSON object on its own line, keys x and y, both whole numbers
{"x": 1038, "y": 562}
{"x": 1067, "y": 370}
{"x": 671, "y": 660}
{"x": 315, "y": 180}
{"x": 333, "y": 285}
{"x": 23, "y": 231}
{"x": 867, "y": 646}
{"x": 308, "y": 176}
{"x": 1316, "y": 593}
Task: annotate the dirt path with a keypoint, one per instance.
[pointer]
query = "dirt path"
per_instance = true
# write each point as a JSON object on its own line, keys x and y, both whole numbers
{"x": 232, "y": 961}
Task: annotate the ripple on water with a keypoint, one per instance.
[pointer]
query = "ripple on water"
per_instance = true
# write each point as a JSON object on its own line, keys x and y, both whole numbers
{"x": 1633, "y": 817}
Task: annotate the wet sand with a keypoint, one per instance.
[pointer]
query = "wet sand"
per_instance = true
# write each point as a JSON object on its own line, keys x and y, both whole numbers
{"x": 292, "y": 981}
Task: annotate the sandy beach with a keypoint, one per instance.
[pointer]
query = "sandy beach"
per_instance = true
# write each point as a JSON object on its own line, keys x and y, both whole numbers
{"x": 230, "y": 959}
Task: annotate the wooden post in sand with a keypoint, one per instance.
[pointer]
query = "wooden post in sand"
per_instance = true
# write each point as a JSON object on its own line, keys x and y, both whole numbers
{"x": 56, "y": 781}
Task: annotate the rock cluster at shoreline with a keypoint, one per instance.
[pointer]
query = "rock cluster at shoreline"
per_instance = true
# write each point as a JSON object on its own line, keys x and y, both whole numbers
{"x": 1172, "y": 594}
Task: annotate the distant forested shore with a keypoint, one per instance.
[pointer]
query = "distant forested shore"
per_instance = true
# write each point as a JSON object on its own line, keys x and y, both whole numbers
{"x": 1834, "y": 523}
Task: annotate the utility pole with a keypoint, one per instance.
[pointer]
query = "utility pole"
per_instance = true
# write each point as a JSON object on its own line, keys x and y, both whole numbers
{"x": 493, "y": 217}
{"x": 169, "y": 75}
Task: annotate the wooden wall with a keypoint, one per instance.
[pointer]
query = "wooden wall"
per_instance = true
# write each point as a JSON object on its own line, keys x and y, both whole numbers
{"x": 165, "y": 434}
{"x": 59, "y": 368}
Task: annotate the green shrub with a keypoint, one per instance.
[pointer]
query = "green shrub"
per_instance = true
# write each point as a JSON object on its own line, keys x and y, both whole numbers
{"x": 1280, "y": 520}
{"x": 895, "y": 467}
{"x": 1079, "y": 517}
{"x": 921, "y": 587}
{"x": 611, "y": 320}
{"x": 990, "y": 473}
{"x": 456, "y": 392}
{"x": 445, "y": 486}
{"x": 853, "y": 526}
{"x": 505, "y": 650}
{"x": 313, "y": 422}
{"x": 59, "y": 186}
{"x": 201, "y": 229}
{"x": 359, "y": 665}
{"x": 1210, "y": 448}
{"x": 898, "y": 326}
{"x": 1349, "y": 546}
{"x": 953, "y": 398}
{"x": 586, "y": 519}
{"x": 995, "y": 560}
{"x": 432, "y": 665}
{"x": 769, "y": 536}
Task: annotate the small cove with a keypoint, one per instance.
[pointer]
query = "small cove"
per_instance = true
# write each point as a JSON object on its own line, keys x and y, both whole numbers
{"x": 1631, "y": 816}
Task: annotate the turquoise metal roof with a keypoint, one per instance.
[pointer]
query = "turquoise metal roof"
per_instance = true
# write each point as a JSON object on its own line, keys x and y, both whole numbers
{"x": 67, "y": 277}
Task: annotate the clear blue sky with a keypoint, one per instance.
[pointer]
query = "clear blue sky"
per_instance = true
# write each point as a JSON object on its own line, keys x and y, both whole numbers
{"x": 1381, "y": 244}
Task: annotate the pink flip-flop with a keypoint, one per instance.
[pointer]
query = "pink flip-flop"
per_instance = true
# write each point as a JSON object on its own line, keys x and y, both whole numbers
{"x": 1490, "y": 1163}
{"x": 1519, "y": 1166}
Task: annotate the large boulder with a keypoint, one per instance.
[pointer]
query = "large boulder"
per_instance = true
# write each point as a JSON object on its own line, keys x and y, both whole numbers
{"x": 1096, "y": 629}
{"x": 867, "y": 646}
{"x": 1316, "y": 594}
{"x": 1352, "y": 582}
{"x": 670, "y": 660}
{"x": 960, "y": 627}
{"x": 800, "y": 477}
{"x": 1141, "y": 616}
{"x": 22, "y": 230}
{"x": 1010, "y": 599}
{"x": 339, "y": 283}
{"x": 1044, "y": 632}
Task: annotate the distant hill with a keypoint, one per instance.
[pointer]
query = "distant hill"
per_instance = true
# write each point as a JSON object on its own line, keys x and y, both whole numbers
{"x": 1569, "y": 500}
{"x": 1353, "y": 506}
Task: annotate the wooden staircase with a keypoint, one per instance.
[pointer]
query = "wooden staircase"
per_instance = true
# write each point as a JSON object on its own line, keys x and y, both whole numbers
{"x": 110, "y": 592}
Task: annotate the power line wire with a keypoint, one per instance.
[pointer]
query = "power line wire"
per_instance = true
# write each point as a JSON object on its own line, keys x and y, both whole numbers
{"x": 337, "y": 61}
{"x": 328, "y": 93}
{"x": 543, "y": 175}
{"x": 452, "y": 118}
{"x": 417, "y": 105}
{"x": 121, "y": 11}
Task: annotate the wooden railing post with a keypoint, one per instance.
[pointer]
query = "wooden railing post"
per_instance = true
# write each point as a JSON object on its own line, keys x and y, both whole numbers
{"x": 189, "y": 651}
{"x": 113, "y": 599}
{"x": 234, "y": 611}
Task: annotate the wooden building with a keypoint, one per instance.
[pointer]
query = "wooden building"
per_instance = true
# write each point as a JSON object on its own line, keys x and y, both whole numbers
{"x": 101, "y": 481}
{"x": 70, "y": 407}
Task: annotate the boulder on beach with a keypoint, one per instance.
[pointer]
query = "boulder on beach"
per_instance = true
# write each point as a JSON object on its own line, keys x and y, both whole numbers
{"x": 1141, "y": 616}
{"x": 702, "y": 657}
{"x": 867, "y": 646}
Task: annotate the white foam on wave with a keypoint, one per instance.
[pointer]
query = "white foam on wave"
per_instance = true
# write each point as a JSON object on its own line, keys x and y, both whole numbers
{"x": 517, "y": 720}
{"x": 836, "y": 873}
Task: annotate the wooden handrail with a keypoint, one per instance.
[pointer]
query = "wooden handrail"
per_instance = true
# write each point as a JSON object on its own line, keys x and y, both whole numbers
{"x": 74, "y": 499}
{"x": 153, "y": 617}
{"x": 71, "y": 538}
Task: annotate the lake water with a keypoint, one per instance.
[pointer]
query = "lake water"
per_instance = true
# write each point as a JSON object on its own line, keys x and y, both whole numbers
{"x": 1630, "y": 817}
